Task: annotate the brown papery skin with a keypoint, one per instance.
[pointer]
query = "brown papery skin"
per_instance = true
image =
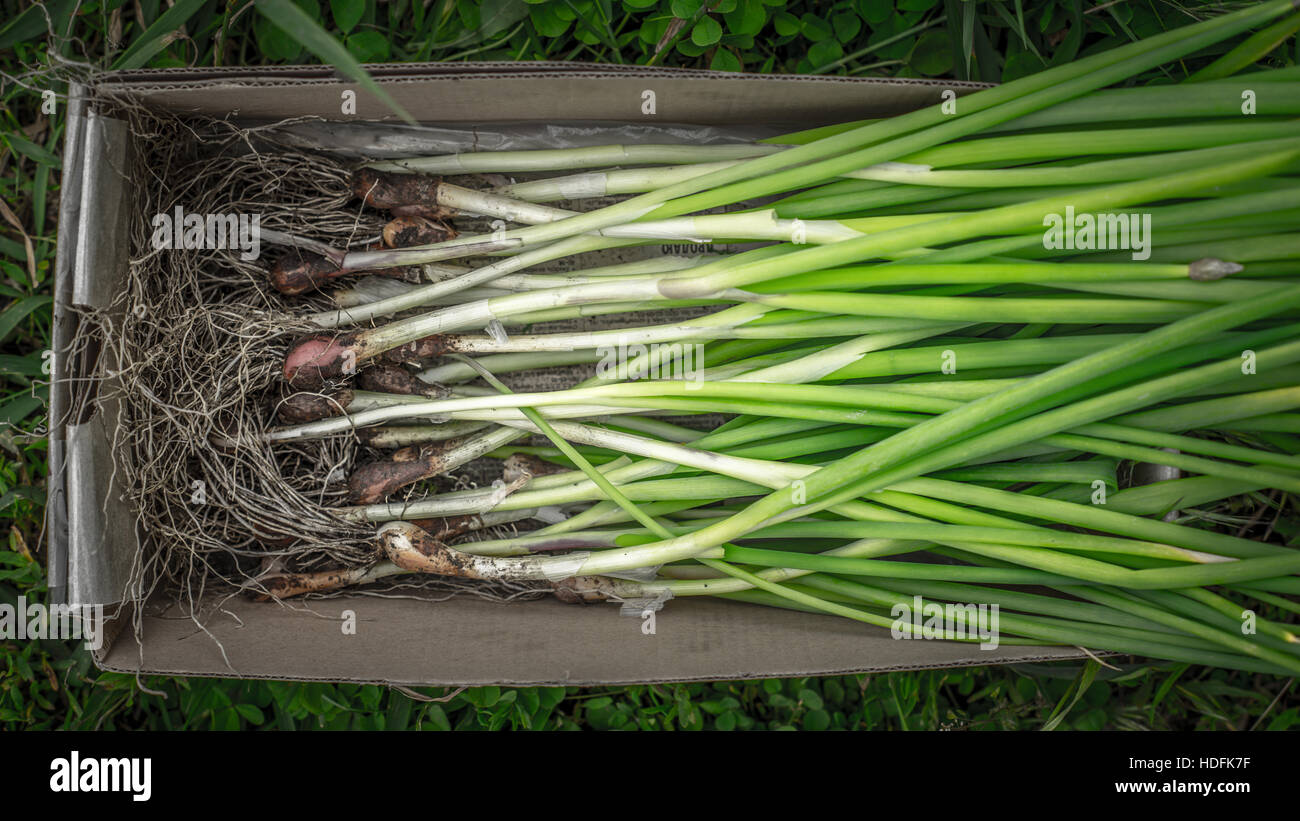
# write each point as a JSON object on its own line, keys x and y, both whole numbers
{"x": 402, "y": 194}
{"x": 420, "y": 352}
{"x": 582, "y": 590}
{"x": 374, "y": 481}
{"x": 298, "y": 271}
{"x": 308, "y": 407}
{"x": 425, "y": 554}
{"x": 286, "y": 585}
{"x": 407, "y": 231}
{"x": 449, "y": 527}
{"x": 384, "y": 378}
{"x": 526, "y": 465}
{"x": 416, "y": 550}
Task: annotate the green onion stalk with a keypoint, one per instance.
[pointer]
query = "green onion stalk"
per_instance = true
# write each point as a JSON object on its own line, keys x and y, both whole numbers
{"x": 898, "y": 392}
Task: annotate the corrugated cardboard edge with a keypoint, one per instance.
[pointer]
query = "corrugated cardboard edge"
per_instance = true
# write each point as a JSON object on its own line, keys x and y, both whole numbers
{"x": 97, "y": 519}
{"x": 143, "y": 76}
{"x": 585, "y": 94}
{"x": 64, "y": 327}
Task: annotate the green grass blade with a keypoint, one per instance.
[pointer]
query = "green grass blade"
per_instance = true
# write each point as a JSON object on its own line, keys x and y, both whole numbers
{"x": 295, "y": 22}
{"x": 154, "y": 39}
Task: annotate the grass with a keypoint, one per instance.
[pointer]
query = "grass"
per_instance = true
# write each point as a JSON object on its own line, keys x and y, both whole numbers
{"x": 52, "y": 684}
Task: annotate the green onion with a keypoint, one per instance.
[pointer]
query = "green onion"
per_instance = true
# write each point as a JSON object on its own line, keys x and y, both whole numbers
{"x": 922, "y": 399}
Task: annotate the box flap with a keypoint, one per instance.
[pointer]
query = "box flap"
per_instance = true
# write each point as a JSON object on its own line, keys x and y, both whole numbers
{"x": 501, "y": 92}
{"x": 469, "y": 641}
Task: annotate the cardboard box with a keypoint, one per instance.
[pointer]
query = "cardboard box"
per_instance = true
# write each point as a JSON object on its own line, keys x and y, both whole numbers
{"x": 461, "y": 641}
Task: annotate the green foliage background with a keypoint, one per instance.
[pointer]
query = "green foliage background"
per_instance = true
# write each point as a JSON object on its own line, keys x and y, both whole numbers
{"x": 52, "y": 684}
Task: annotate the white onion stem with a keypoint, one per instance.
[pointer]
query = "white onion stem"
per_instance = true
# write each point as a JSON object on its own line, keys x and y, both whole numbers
{"x": 556, "y": 159}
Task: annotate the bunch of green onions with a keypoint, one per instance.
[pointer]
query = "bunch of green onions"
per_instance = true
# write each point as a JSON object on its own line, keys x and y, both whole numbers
{"x": 920, "y": 399}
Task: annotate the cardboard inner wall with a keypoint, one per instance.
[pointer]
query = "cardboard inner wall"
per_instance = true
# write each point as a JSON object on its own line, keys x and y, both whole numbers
{"x": 463, "y": 640}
